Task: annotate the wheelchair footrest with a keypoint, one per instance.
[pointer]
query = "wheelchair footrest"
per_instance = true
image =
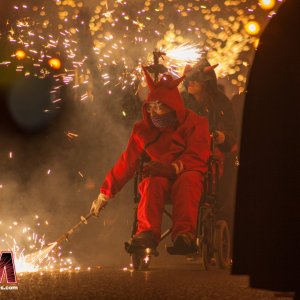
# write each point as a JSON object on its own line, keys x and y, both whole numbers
{"x": 140, "y": 250}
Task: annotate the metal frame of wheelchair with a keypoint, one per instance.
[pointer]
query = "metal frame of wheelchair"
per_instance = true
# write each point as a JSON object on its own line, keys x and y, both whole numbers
{"x": 213, "y": 237}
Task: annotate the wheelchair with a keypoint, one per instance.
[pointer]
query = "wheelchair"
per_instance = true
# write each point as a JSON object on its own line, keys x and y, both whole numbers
{"x": 213, "y": 238}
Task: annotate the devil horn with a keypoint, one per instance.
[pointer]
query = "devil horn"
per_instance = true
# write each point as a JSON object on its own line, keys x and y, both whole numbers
{"x": 149, "y": 79}
{"x": 176, "y": 82}
{"x": 209, "y": 68}
{"x": 169, "y": 82}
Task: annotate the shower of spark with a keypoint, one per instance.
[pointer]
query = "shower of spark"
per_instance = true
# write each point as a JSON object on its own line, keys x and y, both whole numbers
{"x": 119, "y": 37}
{"x": 39, "y": 256}
{"x": 184, "y": 54}
{"x": 177, "y": 57}
{"x": 31, "y": 254}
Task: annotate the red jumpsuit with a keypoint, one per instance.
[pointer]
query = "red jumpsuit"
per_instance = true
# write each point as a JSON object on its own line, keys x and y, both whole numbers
{"x": 187, "y": 145}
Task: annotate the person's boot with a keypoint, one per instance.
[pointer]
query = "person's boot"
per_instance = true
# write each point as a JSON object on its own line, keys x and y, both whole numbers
{"x": 144, "y": 240}
{"x": 184, "y": 244}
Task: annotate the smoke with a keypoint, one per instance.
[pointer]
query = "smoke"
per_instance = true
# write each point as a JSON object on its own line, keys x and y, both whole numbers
{"x": 53, "y": 171}
{"x": 56, "y": 177}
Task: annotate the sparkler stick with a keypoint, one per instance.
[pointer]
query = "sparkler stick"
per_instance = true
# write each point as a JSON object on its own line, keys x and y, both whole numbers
{"x": 39, "y": 256}
{"x": 65, "y": 236}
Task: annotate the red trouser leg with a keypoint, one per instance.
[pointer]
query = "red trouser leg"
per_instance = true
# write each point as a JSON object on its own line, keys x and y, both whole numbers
{"x": 154, "y": 191}
{"x": 186, "y": 194}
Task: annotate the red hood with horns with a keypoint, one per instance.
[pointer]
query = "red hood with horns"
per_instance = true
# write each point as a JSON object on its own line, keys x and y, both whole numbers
{"x": 165, "y": 91}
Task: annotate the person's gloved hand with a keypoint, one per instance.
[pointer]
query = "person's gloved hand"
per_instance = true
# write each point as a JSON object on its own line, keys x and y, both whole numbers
{"x": 155, "y": 168}
{"x": 99, "y": 204}
{"x": 219, "y": 137}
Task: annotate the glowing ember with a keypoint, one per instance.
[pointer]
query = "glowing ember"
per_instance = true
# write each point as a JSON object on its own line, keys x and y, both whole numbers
{"x": 146, "y": 259}
{"x": 20, "y": 54}
{"x": 55, "y": 63}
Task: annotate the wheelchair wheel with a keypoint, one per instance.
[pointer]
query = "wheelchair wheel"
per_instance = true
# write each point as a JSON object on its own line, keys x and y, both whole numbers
{"x": 203, "y": 256}
{"x": 140, "y": 262}
{"x": 222, "y": 245}
{"x": 205, "y": 241}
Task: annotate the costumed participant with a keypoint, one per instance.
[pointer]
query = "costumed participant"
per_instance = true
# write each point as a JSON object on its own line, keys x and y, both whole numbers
{"x": 177, "y": 142}
{"x": 203, "y": 96}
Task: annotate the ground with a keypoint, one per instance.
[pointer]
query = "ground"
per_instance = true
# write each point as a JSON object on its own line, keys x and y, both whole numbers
{"x": 184, "y": 281}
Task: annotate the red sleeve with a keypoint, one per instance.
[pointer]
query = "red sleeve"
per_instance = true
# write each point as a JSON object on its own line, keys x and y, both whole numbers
{"x": 124, "y": 168}
{"x": 196, "y": 155}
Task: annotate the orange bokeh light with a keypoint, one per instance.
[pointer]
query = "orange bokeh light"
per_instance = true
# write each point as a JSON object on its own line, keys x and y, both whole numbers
{"x": 267, "y": 4}
{"x": 20, "y": 54}
{"x": 252, "y": 27}
{"x": 54, "y": 63}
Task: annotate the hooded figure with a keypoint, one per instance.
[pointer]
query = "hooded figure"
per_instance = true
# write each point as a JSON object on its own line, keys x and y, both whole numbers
{"x": 177, "y": 142}
{"x": 203, "y": 96}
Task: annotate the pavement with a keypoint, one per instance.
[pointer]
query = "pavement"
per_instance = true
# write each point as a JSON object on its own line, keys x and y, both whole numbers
{"x": 183, "y": 281}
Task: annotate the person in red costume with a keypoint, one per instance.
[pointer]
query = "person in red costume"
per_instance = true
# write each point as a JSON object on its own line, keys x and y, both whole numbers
{"x": 177, "y": 142}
